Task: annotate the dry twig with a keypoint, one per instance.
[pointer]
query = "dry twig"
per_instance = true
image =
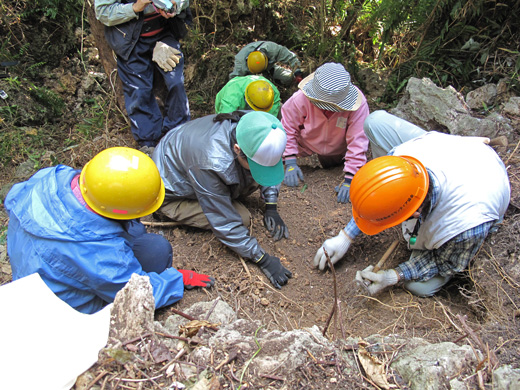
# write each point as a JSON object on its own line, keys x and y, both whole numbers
{"x": 245, "y": 266}
{"x": 335, "y": 306}
{"x": 493, "y": 360}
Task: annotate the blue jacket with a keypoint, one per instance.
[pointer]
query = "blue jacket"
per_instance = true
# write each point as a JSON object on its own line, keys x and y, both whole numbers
{"x": 83, "y": 257}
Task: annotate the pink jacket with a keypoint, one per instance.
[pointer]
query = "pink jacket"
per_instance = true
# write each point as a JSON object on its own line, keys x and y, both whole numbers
{"x": 310, "y": 131}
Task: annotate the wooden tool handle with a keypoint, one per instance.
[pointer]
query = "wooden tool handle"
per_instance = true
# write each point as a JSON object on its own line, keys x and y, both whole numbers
{"x": 387, "y": 254}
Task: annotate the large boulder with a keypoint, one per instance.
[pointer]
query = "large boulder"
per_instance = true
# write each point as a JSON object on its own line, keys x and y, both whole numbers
{"x": 444, "y": 110}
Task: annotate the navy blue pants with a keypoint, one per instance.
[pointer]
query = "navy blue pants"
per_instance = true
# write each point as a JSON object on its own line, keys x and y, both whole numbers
{"x": 153, "y": 251}
{"x": 136, "y": 74}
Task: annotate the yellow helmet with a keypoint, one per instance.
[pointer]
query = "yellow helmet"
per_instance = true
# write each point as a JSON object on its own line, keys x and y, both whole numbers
{"x": 257, "y": 62}
{"x": 387, "y": 191}
{"x": 260, "y": 95}
{"x": 122, "y": 183}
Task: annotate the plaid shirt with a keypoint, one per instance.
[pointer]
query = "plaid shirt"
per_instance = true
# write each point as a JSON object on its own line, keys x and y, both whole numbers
{"x": 452, "y": 257}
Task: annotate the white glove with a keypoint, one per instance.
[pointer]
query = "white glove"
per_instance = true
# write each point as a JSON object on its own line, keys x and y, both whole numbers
{"x": 167, "y": 57}
{"x": 336, "y": 248}
{"x": 377, "y": 281}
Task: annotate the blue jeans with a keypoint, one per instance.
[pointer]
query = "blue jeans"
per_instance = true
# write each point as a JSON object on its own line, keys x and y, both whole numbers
{"x": 137, "y": 75}
{"x": 153, "y": 251}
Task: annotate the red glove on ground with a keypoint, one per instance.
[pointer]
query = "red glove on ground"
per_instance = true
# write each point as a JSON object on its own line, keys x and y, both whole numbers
{"x": 192, "y": 279}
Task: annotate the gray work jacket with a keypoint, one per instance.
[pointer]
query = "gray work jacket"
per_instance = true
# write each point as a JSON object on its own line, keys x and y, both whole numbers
{"x": 197, "y": 161}
{"x": 274, "y": 52}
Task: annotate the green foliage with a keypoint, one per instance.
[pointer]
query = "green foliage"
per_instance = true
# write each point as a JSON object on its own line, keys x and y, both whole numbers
{"x": 452, "y": 42}
{"x": 3, "y": 234}
{"x": 93, "y": 120}
{"x": 11, "y": 144}
{"x": 48, "y": 99}
{"x": 56, "y": 9}
{"x": 9, "y": 113}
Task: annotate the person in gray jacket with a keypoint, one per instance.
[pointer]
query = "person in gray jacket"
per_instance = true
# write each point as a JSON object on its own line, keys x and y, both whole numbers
{"x": 209, "y": 163}
{"x": 261, "y": 57}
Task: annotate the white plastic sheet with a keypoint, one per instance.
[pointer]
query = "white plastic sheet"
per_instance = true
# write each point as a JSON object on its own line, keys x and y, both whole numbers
{"x": 45, "y": 343}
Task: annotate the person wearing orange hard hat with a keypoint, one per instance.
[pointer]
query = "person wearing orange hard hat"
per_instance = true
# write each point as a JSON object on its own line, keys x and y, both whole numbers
{"x": 262, "y": 57}
{"x": 446, "y": 191}
{"x": 80, "y": 231}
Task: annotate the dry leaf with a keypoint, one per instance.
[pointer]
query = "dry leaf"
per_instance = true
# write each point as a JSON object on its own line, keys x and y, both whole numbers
{"x": 192, "y": 327}
{"x": 374, "y": 368}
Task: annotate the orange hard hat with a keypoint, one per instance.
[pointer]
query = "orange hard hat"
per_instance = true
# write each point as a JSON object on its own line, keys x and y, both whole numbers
{"x": 387, "y": 191}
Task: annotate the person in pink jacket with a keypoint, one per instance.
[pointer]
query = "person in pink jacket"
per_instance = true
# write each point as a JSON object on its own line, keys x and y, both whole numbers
{"x": 325, "y": 116}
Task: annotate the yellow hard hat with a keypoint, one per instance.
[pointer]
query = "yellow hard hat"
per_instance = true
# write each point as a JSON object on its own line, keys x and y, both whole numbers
{"x": 260, "y": 95}
{"x": 122, "y": 183}
{"x": 387, "y": 191}
{"x": 257, "y": 62}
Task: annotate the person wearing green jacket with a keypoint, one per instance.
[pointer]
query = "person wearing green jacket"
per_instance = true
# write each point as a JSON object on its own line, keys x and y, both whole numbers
{"x": 264, "y": 57}
{"x": 248, "y": 92}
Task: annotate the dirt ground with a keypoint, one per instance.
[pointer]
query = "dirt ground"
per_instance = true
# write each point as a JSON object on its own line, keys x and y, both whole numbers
{"x": 488, "y": 294}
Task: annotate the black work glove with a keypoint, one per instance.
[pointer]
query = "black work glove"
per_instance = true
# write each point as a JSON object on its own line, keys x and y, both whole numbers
{"x": 274, "y": 270}
{"x": 343, "y": 191}
{"x": 274, "y": 223}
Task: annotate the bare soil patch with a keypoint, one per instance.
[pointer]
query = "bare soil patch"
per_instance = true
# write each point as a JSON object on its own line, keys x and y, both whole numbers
{"x": 487, "y": 294}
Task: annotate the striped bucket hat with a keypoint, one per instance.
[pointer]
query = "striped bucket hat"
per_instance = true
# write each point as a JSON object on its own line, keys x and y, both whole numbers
{"x": 330, "y": 88}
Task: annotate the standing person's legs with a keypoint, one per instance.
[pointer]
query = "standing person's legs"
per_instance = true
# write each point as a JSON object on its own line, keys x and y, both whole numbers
{"x": 176, "y": 105}
{"x": 188, "y": 212}
{"x": 136, "y": 75}
{"x": 386, "y": 131}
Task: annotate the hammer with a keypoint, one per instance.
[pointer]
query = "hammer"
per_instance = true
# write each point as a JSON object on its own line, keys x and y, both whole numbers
{"x": 380, "y": 263}
{"x": 498, "y": 141}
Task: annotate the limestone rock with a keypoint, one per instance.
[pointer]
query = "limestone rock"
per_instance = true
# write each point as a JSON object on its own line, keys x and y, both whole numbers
{"x": 444, "y": 110}
{"x": 512, "y": 107}
{"x": 133, "y": 312}
{"x": 430, "y": 367}
{"x": 506, "y": 378}
{"x": 482, "y": 97}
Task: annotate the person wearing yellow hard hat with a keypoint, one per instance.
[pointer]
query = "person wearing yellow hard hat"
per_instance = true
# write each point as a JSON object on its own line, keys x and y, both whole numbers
{"x": 251, "y": 92}
{"x": 446, "y": 191}
{"x": 79, "y": 230}
{"x": 209, "y": 164}
{"x": 263, "y": 57}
